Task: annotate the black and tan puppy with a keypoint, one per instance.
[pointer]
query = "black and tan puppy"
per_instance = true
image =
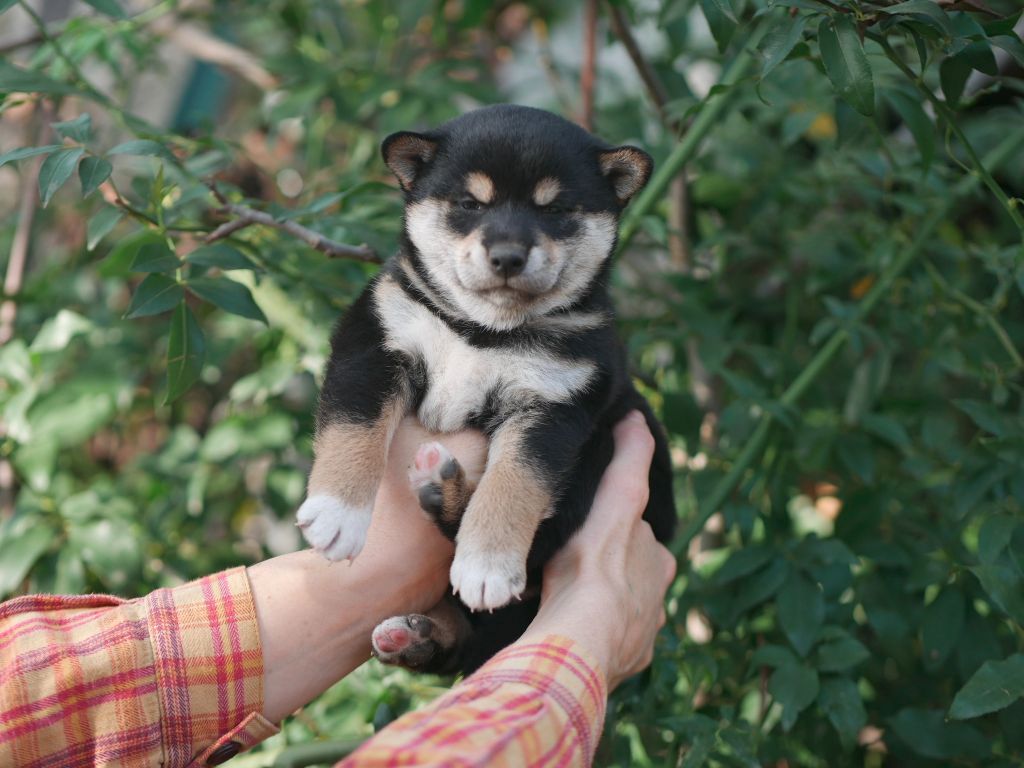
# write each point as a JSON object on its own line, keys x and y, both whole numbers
{"x": 494, "y": 315}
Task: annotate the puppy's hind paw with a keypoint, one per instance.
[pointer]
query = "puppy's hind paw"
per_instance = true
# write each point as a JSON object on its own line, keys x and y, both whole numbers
{"x": 406, "y": 641}
{"x": 438, "y": 480}
{"x": 333, "y": 528}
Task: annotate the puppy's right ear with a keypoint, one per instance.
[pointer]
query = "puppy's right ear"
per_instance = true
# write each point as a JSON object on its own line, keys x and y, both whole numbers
{"x": 406, "y": 153}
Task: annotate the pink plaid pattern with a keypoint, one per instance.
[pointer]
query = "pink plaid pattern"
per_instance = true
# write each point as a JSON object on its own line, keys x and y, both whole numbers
{"x": 532, "y": 705}
{"x": 164, "y": 680}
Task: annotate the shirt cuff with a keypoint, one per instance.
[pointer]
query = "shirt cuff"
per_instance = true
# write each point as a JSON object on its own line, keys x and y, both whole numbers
{"x": 209, "y": 669}
{"x": 564, "y": 672}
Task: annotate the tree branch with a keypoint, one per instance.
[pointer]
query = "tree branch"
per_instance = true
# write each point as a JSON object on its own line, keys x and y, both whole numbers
{"x": 587, "y": 72}
{"x": 246, "y": 216}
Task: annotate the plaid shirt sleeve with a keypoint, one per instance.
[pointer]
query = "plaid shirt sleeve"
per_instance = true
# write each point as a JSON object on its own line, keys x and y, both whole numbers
{"x": 540, "y": 704}
{"x": 172, "y": 679}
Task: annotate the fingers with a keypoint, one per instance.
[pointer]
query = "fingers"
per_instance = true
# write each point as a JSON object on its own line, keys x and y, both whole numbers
{"x": 623, "y": 492}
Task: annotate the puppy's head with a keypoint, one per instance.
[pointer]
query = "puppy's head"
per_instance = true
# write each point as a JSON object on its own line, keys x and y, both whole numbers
{"x": 513, "y": 211}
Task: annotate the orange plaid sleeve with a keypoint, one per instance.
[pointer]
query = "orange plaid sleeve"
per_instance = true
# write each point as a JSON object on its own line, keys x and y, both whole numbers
{"x": 539, "y": 704}
{"x": 172, "y": 679}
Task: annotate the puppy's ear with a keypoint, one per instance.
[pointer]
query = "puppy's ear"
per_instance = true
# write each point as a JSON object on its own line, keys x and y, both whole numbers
{"x": 627, "y": 168}
{"x": 406, "y": 153}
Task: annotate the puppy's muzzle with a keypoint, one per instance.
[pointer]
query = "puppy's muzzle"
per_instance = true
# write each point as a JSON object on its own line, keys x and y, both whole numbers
{"x": 507, "y": 259}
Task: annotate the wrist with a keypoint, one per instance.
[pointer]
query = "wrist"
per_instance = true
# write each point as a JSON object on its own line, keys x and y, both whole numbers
{"x": 576, "y": 613}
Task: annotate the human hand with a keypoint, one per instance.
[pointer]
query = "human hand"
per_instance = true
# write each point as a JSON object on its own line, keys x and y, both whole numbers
{"x": 606, "y": 587}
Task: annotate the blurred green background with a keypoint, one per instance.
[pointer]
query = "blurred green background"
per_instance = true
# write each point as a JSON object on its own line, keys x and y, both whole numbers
{"x": 822, "y": 293}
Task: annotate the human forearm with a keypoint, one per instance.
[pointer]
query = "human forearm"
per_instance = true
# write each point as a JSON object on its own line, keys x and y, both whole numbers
{"x": 315, "y": 620}
{"x": 316, "y": 617}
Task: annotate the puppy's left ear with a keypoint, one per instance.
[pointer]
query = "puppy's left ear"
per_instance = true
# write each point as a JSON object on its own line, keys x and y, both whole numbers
{"x": 627, "y": 168}
{"x": 406, "y": 153}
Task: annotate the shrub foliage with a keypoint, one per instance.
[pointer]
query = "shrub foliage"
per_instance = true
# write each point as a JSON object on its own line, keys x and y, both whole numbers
{"x": 822, "y": 289}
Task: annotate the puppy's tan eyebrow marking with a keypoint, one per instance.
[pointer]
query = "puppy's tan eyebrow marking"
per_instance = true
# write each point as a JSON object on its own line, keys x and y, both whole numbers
{"x": 480, "y": 186}
{"x": 546, "y": 191}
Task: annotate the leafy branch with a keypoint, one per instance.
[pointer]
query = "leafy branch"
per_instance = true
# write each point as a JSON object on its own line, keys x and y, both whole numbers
{"x": 791, "y": 396}
{"x": 949, "y": 116}
{"x": 246, "y": 217}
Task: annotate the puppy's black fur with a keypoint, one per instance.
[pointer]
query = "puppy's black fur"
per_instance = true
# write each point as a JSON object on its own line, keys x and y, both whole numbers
{"x": 495, "y": 314}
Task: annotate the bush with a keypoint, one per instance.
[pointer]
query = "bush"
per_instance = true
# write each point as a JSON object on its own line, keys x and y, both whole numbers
{"x": 826, "y": 312}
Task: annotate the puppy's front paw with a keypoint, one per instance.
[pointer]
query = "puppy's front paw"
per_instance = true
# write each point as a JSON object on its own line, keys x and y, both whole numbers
{"x": 333, "y": 528}
{"x": 487, "y": 580}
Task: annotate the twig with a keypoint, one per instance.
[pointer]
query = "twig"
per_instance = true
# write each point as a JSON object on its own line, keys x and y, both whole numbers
{"x": 655, "y": 88}
{"x": 713, "y": 106}
{"x": 246, "y": 216}
{"x": 206, "y": 47}
{"x": 14, "y": 278}
{"x": 980, "y": 310}
{"x": 587, "y": 78}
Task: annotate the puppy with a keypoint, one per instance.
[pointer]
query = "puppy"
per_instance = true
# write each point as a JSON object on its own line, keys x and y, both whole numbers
{"x": 494, "y": 315}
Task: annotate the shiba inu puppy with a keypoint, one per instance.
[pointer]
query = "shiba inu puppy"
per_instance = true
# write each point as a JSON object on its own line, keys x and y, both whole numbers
{"x": 494, "y": 315}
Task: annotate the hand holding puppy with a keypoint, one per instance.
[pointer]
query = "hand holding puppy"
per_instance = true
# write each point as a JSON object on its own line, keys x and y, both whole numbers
{"x": 606, "y": 587}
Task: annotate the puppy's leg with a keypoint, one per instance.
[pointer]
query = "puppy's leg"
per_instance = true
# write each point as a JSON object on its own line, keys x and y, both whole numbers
{"x": 442, "y": 486}
{"x": 348, "y": 466}
{"x": 431, "y": 642}
{"x": 365, "y": 394}
{"x": 497, "y": 530}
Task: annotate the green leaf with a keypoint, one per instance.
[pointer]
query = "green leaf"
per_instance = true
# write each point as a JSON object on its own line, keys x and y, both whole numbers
{"x": 794, "y": 687}
{"x": 142, "y": 147}
{"x": 986, "y": 416}
{"x": 840, "y": 654}
{"x": 771, "y": 655}
{"x": 25, "y": 152}
{"x": 100, "y": 225}
{"x": 1004, "y": 584}
{"x": 57, "y": 331}
{"x": 18, "y": 552}
{"x": 1012, "y": 45}
{"x": 156, "y": 294}
{"x": 57, "y": 169}
{"x": 228, "y": 295}
{"x": 79, "y": 129}
{"x": 108, "y": 7}
{"x": 742, "y": 562}
{"x": 92, "y": 172}
{"x": 155, "y": 257}
{"x": 953, "y": 74}
{"x": 5, "y": 4}
{"x": 925, "y": 10}
{"x": 994, "y": 535}
{"x": 840, "y": 701}
{"x": 847, "y": 66}
{"x": 919, "y": 124}
{"x": 781, "y": 40}
{"x": 927, "y": 733}
{"x": 941, "y": 625}
{"x": 14, "y": 78}
{"x": 186, "y": 351}
{"x": 219, "y": 255}
{"x": 993, "y": 687}
{"x": 801, "y": 607}
{"x": 886, "y": 428}
{"x": 721, "y": 20}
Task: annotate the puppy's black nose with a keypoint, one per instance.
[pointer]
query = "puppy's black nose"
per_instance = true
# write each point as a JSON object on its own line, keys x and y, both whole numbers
{"x": 507, "y": 259}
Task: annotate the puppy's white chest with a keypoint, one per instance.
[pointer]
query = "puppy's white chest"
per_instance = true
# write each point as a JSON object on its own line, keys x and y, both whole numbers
{"x": 460, "y": 377}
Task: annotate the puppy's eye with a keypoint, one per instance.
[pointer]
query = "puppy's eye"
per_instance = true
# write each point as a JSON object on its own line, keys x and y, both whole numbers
{"x": 554, "y": 208}
{"x": 469, "y": 204}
